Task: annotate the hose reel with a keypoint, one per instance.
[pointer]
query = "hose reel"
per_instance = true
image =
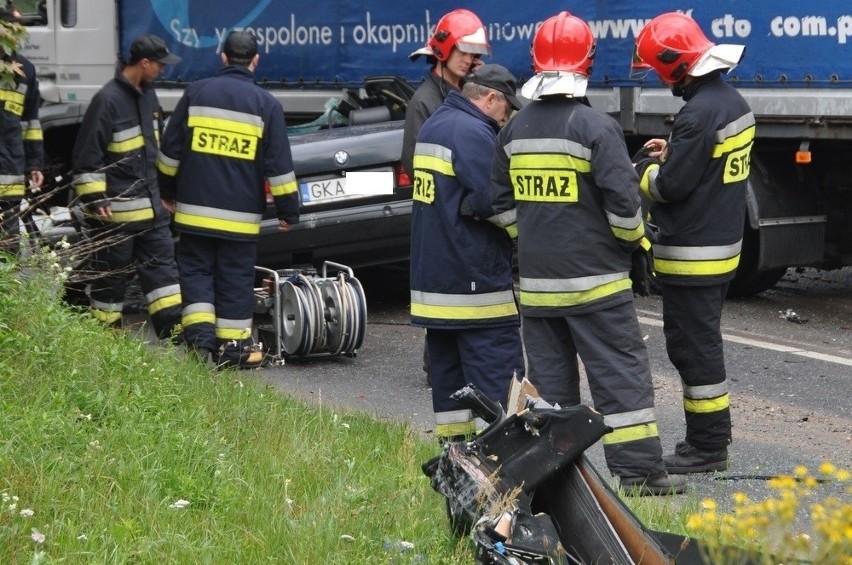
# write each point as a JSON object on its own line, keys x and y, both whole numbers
{"x": 312, "y": 314}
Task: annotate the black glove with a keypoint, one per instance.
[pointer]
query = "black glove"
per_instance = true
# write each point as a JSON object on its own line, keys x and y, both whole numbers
{"x": 642, "y": 266}
{"x": 641, "y": 272}
{"x": 641, "y": 154}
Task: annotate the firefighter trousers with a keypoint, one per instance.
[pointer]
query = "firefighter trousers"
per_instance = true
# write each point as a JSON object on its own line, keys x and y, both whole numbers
{"x": 692, "y": 318}
{"x": 217, "y": 281}
{"x": 609, "y": 342}
{"x": 484, "y": 357}
{"x": 150, "y": 253}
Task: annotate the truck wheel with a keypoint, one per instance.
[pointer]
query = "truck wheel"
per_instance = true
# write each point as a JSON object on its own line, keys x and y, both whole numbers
{"x": 749, "y": 280}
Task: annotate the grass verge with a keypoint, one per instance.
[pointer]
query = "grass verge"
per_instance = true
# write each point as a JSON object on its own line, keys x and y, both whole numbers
{"x": 111, "y": 451}
{"x": 115, "y": 452}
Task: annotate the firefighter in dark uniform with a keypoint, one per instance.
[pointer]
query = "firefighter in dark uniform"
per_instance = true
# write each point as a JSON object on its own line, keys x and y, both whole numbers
{"x": 21, "y": 150}
{"x": 563, "y": 181}
{"x": 461, "y": 264}
{"x": 115, "y": 175}
{"x": 453, "y": 50}
{"x": 226, "y": 139}
{"x": 697, "y": 183}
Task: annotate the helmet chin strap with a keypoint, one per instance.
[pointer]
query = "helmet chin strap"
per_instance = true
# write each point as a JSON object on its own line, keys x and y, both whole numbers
{"x": 679, "y": 88}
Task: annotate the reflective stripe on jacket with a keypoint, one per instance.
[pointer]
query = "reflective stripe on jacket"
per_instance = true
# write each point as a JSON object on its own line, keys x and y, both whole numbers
{"x": 564, "y": 183}
{"x": 226, "y": 138}
{"x": 699, "y": 193}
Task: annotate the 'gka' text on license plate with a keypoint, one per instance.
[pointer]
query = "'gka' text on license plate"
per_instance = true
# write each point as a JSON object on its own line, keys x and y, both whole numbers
{"x": 358, "y": 184}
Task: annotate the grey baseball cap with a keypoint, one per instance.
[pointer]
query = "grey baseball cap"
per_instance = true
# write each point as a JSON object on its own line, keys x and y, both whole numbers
{"x": 498, "y": 78}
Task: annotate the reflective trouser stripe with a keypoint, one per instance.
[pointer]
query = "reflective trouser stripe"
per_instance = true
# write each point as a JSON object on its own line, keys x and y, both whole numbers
{"x": 162, "y": 298}
{"x": 706, "y": 405}
{"x": 106, "y": 312}
{"x": 107, "y": 317}
{"x": 199, "y": 313}
{"x": 631, "y": 433}
{"x": 631, "y": 426}
{"x": 233, "y": 329}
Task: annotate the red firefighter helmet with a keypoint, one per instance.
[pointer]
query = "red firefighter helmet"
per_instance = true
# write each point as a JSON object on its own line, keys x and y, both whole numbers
{"x": 670, "y": 44}
{"x": 563, "y": 43}
{"x": 461, "y": 29}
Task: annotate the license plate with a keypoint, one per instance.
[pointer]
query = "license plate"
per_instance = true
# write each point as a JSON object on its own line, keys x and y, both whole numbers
{"x": 357, "y": 184}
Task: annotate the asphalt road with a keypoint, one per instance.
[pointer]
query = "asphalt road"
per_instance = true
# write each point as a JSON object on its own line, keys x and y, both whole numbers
{"x": 788, "y": 353}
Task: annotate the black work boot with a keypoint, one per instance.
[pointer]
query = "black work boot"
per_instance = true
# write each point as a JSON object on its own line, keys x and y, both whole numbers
{"x": 688, "y": 459}
{"x": 231, "y": 356}
{"x": 658, "y": 485}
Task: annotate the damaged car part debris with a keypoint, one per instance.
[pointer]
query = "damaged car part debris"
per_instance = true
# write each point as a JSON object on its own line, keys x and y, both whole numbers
{"x": 527, "y": 495}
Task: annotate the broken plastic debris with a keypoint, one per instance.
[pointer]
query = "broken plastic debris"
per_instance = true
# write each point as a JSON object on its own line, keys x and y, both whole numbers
{"x": 791, "y": 316}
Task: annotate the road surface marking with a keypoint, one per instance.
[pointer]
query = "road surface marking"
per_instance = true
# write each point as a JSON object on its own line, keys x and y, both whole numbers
{"x": 768, "y": 345}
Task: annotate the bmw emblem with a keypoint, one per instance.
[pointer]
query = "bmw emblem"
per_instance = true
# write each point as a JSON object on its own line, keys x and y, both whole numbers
{"x": 341, "y": 157}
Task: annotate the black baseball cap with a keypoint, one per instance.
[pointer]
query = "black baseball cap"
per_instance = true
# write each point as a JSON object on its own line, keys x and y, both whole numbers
{"x": 240, "y": 46}
{"x": 496, "y": 77}
{"x": 153, "y": 48}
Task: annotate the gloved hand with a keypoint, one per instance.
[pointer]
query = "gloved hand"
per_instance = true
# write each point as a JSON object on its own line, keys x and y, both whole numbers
{"x": 641, "y": 161}
{"x": 642, "y": 267}
{"x": 641, "y": 154}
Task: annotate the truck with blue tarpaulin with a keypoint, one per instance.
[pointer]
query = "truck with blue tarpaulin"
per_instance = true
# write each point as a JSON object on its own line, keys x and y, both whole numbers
{"x": 796, "y": 76}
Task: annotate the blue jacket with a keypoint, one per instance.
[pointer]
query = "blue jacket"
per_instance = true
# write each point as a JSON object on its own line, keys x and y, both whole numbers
{"x": 225, "y": 140}
{"x": 461, "y": 264}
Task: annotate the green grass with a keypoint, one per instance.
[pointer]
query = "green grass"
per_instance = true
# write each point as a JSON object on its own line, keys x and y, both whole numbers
{"x": 102, "y": 435}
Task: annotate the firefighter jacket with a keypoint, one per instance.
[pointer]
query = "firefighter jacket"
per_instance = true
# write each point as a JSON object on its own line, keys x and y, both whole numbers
{"x": 564, "y": 184}
{"x": 699, "y": 193}
{"x": 426, "y": 99}
{"x": 21, "y": 147}
{"x": 461, "y": 265}
{"x": 226, "y": 138}
{"x": 115, "y": 155}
